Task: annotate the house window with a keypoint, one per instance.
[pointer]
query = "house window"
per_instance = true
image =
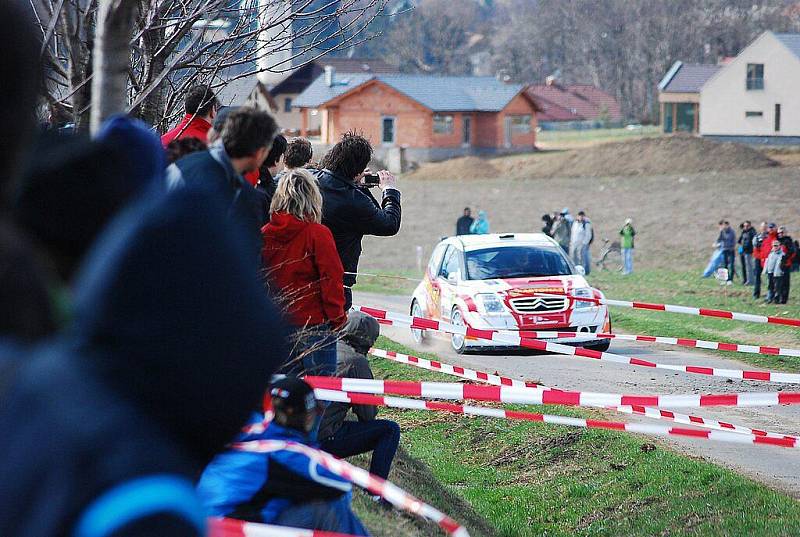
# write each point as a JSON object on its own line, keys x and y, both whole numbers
{"x": 287, "y": 104}
{"x": 753, "y": 113}
{"x": 521, "y": 124}
{"x": 755, "y": 76}
{"x": 387, "y": 130}
{"x": 442, "y": 124}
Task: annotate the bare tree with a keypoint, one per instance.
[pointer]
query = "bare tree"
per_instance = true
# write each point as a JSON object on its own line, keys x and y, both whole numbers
{"x": 175, "y": 44}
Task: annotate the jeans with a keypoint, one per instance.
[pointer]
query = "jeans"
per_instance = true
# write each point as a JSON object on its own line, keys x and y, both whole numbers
{"x": 627, "y": 260}
{"x": 747, "y": 268}
{"x": 355, "y": 437}
{"x": 313, "y": 352}
{"x": 757, "y": 268}
{"x": 331, "y": 515}
{"x": 729, "y": 262}
{"x": 586, "y": 256}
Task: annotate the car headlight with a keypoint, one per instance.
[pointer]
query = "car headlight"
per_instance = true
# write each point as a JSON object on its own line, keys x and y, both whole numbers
{"x": 584, "y": 292}
{"x": 489, "y": 303}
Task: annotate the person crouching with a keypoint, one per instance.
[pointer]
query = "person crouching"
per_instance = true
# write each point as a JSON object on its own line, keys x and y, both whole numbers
{"x": 282, "y": 487}
{"x": 347, "y": 438}
{"x": 305, "y": 273}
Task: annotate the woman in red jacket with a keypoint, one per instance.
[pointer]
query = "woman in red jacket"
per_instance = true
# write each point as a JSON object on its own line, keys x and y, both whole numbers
{"x": 305, "y": 272}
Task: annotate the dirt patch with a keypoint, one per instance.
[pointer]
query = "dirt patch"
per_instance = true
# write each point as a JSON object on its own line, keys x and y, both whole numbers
{"x": 646, "y": 156}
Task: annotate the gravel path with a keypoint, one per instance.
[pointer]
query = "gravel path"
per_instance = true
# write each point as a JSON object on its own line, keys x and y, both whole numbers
{"x": 778, "y": 468}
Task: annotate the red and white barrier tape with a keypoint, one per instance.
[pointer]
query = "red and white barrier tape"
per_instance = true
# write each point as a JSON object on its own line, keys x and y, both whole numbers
{"x": 386, "y": 490}
{"x": 671, "y": 308}
{"x": 497, "y": 380}
{"x": 537, "y": 396}
{"x": 514, "y": 339}
{"x": 229, "y": 527}
{"x": 658, "y": 430}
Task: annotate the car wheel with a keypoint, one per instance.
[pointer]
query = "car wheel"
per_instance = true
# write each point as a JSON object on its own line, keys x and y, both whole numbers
{"x": 457, "y": 341}
{"x": 416, "y": 311}
{"x": 599, "y": 347}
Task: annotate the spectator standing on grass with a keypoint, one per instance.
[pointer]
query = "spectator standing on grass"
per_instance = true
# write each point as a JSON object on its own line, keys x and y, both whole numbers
{"x": 627, "y": 233}
{"x": 281, "y": 487}
{"x": 201, "y": 108}
{"x": 746, "y": 252}
{"x": 344, "y": 438}
{"x": 580, "y": 238}
{"x": 727, "y": 244}
{"x": 789, "y": 248}
{"x": 567, "y": 216}
{"x": 758, "y": 259}
{"x": 349, "y": 209}
{"x": 547, "y": 224}
{"x": 481, "y": 225}
{"x": 773, "y": 268}
{"x": 299, "y": 153}
{"x": 305, "y": 272}
{"x": 464, "y": 222}
{"x": 562, "y": 232}
{"x": 243, "y": 146}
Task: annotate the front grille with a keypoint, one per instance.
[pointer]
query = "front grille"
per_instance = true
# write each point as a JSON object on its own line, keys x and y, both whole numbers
{"x": 538, "y": 304}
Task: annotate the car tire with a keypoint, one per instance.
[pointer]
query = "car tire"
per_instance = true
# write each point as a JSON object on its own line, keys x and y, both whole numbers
{"x": 419, "y": 336}
{"x": 458, "y": 342}
{"x": 599, "y": 347}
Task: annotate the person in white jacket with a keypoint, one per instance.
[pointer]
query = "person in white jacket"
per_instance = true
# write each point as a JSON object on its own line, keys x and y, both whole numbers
{"x": 579, "y": 240}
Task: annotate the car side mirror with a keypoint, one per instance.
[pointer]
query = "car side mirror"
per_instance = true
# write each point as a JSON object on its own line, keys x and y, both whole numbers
{"x": 580, "y": 270}
{"x": 453, "y": 277}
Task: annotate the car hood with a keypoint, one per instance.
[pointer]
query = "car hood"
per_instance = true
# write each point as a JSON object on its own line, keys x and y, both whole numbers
{"x": 525, "y": 286}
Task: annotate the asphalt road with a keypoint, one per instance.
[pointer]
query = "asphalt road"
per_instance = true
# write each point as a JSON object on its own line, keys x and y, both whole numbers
{"x": 776, "y": 467}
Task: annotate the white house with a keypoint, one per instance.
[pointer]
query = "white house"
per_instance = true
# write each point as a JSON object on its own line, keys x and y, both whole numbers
{"x": 755, "y": 98}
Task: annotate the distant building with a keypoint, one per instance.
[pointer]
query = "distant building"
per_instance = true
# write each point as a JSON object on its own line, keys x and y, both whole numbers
{"x": 574, "y": 106}
{"x": 248, "y": 91}
{"x": 286, "y": 89}
{"x": 755, "y": 98}
{"x": 428, "y": 118}
{"x": 679, "y": 95}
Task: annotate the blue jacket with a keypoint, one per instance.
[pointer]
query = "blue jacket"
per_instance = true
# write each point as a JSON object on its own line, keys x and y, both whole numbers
{"x": 259, "y": 486}
{"x": 170, "y": 351}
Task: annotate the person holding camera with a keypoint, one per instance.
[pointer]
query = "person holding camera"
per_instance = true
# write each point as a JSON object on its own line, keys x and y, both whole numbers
{"x": 348, "y": 207}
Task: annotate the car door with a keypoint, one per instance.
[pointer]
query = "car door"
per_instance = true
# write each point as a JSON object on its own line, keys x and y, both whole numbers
{"x": 433, "y": 289}
{"x": 451, "y": 264}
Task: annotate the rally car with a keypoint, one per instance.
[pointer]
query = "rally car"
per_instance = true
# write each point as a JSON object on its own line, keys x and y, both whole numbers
{"x": 511, "y": 282}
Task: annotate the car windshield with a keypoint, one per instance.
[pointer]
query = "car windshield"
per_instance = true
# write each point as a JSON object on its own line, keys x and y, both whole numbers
{"x": 516, "y": 262}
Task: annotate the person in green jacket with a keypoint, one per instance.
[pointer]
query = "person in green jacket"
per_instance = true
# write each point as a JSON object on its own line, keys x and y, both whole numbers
{"x": 481, "y": 225}
{"x": 627, "y": 233}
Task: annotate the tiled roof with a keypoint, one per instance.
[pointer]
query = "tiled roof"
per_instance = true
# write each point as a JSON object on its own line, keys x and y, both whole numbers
{"x": 358, "y": 65}
{"x": 236, "y": 92}
{"x": 791, "y": 41}
{"x": 687, "y": 77}
{"x": 437, "y": 93}
{"x": 577, "y": 102}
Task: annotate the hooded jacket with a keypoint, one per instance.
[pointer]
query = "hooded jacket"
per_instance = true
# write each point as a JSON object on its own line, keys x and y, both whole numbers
{"x": 351, "y": 212}
{"x": 304, "y": 267}
{"x": 171, "y": 347}
{"x": 357, "y": 335}
{"x": 258, "y": 486}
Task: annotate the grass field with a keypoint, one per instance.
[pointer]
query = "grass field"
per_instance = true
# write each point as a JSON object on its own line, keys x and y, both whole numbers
{"x": 581, "y": 138}
{"x": 536, "y": 479}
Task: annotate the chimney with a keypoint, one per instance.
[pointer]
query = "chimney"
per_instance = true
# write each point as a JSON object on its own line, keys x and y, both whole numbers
{"x": 330, "y": 76}
{"x": 550, "y": 80}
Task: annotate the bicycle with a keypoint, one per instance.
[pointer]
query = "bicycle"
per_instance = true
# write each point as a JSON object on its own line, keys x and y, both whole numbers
{"x": 610, "y": 256}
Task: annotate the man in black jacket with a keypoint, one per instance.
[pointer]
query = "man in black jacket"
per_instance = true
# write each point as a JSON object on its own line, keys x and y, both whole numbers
{"x": 243, "y": 146}
{"x": 348, "y": 207}
{"x": 746, "y": 252}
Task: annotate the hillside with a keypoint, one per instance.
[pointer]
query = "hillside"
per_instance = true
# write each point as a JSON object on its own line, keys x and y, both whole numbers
{"x": 646, "y": 156}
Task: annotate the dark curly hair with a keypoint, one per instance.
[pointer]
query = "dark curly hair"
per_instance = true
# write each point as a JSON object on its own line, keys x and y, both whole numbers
{"x": 201, "y": 100}
{"x": 349, "y": 157}
{"x": 177, "y": 149}
{"x": 298, "y": 153}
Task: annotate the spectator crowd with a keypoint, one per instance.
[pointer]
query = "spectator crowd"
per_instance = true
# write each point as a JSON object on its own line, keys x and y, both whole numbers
{"x": 767, "y": 257}
{"x": 163, "y": 298}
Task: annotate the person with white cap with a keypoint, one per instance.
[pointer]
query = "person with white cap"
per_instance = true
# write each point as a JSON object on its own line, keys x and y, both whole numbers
{"x": 626, "y": 245}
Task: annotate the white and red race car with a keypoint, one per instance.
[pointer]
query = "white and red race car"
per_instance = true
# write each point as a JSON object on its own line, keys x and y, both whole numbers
{"x": 496, "y": 281}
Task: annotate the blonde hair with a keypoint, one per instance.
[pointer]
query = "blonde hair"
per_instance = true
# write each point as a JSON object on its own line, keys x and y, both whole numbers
{"x": 298, "y": 195}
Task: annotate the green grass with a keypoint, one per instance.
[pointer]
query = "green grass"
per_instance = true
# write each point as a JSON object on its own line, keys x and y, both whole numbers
{"x": 400, "y": 282}
{"x": 688, "y": 289}
{"x": 595, "y": 135}
{"x": 537, "y": 479}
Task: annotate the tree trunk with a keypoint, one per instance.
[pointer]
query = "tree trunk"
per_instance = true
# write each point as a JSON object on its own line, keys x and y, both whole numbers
{"x": 111, "y": 59}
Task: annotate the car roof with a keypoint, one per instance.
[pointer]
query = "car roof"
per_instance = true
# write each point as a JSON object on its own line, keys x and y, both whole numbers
{"x": 475, "y": 242}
